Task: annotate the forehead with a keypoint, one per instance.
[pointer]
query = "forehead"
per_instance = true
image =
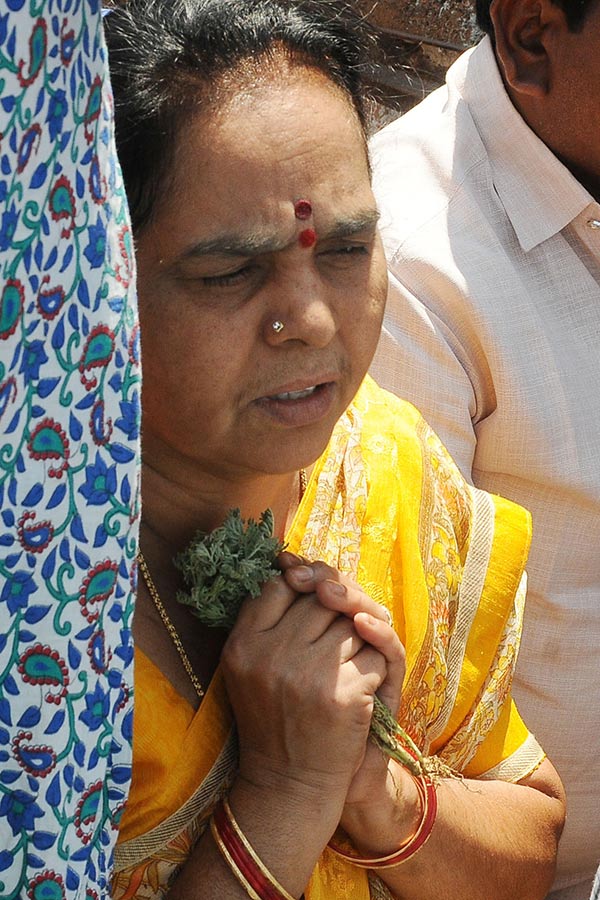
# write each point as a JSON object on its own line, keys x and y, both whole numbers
{"x": 275, "y": 139}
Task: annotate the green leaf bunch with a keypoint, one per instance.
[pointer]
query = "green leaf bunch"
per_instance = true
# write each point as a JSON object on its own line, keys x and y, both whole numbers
{"x": 222, "y": 567}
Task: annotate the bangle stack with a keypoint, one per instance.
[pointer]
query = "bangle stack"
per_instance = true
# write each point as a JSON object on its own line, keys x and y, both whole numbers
{"x": 260, "y": 884}
{"x": 241, "y": 858}
{"x": 428, "y": 798}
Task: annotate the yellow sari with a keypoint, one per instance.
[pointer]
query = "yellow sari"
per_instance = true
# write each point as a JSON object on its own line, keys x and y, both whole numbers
{"x": 386, "y": 505}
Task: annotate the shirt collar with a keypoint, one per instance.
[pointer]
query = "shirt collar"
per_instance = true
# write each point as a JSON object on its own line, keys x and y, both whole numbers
{"x": 538, "y": 192}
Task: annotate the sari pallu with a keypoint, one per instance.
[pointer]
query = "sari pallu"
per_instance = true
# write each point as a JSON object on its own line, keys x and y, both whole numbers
{"x": 387, "y": 506}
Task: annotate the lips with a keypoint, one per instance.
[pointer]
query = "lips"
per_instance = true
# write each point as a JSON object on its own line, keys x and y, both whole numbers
{"x": 299, "y": 406}
{"x": 300, "y": 387}
{"x": 294, "y": 395}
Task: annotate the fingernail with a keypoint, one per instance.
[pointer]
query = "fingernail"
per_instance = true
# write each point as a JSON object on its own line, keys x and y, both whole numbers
{"x": 303, "y": 573}
{"x": 388, "y": 615}
{"x": 292, "y": 557}
{"x": 335, "y": 587}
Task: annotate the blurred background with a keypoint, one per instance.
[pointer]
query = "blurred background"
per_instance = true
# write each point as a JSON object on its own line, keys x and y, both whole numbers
{"x": 418, "y": 40}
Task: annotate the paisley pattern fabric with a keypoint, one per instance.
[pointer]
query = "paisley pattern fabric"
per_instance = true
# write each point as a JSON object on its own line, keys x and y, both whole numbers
{"x": 69, "y": 432}
{"x": 386, "y": 505}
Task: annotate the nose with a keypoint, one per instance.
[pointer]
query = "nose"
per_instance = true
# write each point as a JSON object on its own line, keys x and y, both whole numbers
{"x": 300, "y": 310}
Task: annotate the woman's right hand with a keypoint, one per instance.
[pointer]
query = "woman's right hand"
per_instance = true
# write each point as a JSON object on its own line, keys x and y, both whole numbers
{"x": 301, "y": 683}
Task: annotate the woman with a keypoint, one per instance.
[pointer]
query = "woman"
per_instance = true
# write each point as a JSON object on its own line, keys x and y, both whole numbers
{"x": 262, "y": 286}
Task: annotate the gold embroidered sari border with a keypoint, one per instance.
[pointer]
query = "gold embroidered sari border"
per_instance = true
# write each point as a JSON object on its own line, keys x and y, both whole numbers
{"x": 379, "y": 889}
{"x": 137, "y": 850}
{"x": 473, "y": 579}
{"x": 520, "y": 764}
{"x": 495, "y": 691}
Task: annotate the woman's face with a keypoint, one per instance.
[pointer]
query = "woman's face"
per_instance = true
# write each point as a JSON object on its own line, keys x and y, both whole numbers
{"x": 230, "y": 252}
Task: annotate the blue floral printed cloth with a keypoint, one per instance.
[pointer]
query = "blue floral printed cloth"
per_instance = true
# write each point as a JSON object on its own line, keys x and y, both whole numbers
{"x": 69, "y": 454}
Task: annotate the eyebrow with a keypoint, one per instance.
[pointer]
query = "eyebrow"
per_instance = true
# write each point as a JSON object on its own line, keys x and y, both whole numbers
{"x": 256, "y": 243}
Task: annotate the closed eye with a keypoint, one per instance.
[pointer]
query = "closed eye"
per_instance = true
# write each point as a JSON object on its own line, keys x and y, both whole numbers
{"x": 348, "y": 252}
{"x": 228, "y": 278}
{"x": 354, "y": 249}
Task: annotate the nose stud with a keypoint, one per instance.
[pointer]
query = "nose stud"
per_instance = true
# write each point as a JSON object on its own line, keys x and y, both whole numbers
{"x": 277, "y": 326}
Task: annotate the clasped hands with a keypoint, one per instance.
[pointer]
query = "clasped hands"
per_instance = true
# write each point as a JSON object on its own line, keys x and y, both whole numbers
{"x": 302, "y": 666}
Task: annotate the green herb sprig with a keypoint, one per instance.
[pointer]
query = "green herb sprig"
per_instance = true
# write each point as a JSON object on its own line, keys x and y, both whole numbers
{"x": 222, "y": 567}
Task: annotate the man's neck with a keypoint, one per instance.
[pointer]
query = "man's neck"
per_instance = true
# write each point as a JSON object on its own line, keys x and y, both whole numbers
{"x": 544, "y": 124}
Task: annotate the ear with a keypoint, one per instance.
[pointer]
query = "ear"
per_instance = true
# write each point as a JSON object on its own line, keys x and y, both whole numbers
{"x": 523, "y": 32}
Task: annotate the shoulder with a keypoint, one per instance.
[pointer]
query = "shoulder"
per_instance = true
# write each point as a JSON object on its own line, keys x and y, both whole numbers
{"x": 395, "y": 437}
{"x": 376, "y": 408}
{"x": 408, "y": 466}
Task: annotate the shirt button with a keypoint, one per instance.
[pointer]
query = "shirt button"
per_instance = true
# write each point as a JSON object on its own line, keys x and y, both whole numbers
{"x": 594, "y": 223}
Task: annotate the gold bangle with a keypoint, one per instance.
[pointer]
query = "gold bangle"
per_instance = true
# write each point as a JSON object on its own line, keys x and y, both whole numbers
{"x": 231, "y": 862}
{"x": 427, "y": 794}
{"x": 269, "y": 875}
{"x": 258, "y": 882}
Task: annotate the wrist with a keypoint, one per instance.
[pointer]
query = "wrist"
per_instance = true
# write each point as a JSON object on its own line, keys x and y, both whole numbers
{"x": 285, "y": 805}
{"x": 239, "y": 855}
{"x": 287, "y": 825}
{"x": 295, "y": 787}
{"x": 377, "y": 828}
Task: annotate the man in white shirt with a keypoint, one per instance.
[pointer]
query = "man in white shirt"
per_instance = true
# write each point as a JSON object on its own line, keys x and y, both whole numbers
{"x": 489, "y": 196}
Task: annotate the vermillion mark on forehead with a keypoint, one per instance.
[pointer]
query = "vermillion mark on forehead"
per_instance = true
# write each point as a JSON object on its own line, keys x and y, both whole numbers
{"x": 307, "y": 238}
{"x": 255, "y": 243}
{"x": 303, "y": 211}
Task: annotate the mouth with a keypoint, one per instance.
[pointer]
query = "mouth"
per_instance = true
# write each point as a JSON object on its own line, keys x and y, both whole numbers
{"x": 300, "y": 406}
{"x": 295, "y": 395}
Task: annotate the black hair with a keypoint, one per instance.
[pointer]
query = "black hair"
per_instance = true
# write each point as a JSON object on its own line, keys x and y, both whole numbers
{"x": 166, "y": 56}
{"x": 575, "y": 12}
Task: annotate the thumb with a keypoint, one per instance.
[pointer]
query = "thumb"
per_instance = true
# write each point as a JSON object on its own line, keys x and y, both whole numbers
{"x": 383, "y": 638}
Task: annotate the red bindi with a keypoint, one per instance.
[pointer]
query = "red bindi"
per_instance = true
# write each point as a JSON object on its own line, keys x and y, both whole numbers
{"x": 307, "y": 237}
{"x": 303, "y": 209}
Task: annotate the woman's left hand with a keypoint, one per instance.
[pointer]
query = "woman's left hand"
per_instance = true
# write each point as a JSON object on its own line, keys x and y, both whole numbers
{"x": 372, "y": 623}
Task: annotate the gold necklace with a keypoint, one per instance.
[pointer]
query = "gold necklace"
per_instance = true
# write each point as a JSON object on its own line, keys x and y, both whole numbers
{"x": 302, "y": 483}
{"x": 166, "y": 620}
{"x": 173, "y": 633}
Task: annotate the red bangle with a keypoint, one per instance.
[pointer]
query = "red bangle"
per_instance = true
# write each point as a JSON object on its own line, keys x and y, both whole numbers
{"x": 428, "y": 798}
{"x": 241, "y": 858}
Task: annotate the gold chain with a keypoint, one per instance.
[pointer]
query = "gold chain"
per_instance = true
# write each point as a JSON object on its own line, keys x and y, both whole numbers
{"x": 173, "y": 634}
{"x": 302, "y": 482}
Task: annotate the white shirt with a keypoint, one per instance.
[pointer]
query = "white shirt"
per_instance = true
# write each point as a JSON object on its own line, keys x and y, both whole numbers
{"x": 501, "y": 352}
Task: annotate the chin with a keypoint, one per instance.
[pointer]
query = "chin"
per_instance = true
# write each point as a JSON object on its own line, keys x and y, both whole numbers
{"x": 302, "y": 455}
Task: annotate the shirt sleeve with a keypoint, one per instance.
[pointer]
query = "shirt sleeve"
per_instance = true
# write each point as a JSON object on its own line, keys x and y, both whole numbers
{"x": 421, "y": 360}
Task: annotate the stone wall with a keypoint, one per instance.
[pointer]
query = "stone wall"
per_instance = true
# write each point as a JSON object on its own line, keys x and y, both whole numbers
{"x": 452, "y": 21}
{"x": 419, "y": 39}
